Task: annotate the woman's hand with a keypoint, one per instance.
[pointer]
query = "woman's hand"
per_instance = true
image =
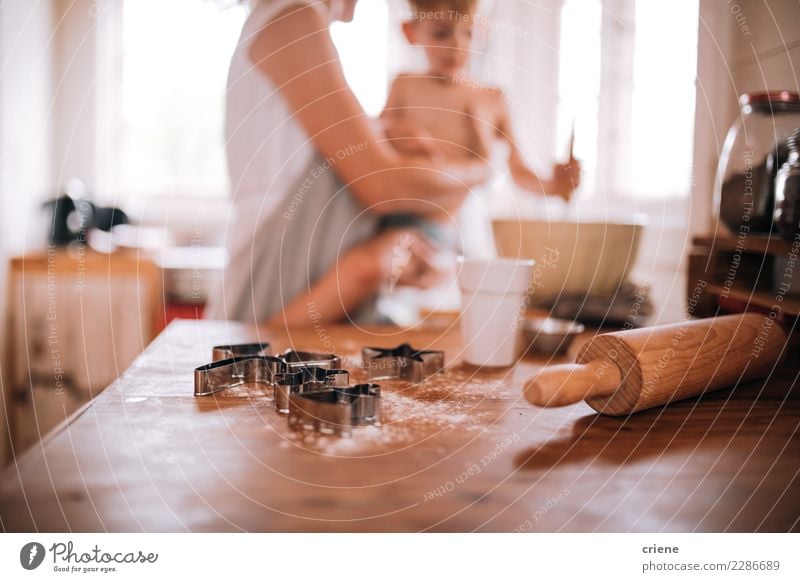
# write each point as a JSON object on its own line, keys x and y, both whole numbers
{"x": 405, "y": 257}
{"x": 393, "y": 257}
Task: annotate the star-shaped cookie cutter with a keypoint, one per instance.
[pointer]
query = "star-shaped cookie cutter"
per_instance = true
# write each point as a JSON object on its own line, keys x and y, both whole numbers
{"x": 337, "y": 410}
{"x": 402, "y": 363}
{"x": 239, "y": 364}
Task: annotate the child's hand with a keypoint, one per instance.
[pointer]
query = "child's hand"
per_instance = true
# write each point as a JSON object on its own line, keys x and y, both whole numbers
{"x": 566, "y": 178}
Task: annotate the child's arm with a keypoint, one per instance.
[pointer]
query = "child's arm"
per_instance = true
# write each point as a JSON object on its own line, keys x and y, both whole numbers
{"x": 565, "y": 177}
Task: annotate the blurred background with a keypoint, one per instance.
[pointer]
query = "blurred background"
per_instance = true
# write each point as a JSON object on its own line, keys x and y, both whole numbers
{"x": 122, "y": 102}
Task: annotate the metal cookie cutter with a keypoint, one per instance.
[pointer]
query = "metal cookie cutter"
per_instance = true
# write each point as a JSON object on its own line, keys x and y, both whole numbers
{"x": 337, "y": 410}
{"x": 402, "y": 362}
{"x": 238, "y": 364}
{"x": 295, "y": 359}
{"x": 232, "y": 372}
{"x": 300, "y": 380}
{"x": 240, "y": 350}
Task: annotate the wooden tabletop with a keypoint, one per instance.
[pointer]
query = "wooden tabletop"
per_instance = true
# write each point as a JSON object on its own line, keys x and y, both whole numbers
{"x": 462, "y": 452}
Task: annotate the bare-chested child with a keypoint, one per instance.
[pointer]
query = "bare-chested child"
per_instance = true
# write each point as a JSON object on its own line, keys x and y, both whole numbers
{"x": 435, "y": 108}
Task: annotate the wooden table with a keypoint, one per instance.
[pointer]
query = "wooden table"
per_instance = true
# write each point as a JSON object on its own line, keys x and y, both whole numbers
{"x": 462, "y": 452}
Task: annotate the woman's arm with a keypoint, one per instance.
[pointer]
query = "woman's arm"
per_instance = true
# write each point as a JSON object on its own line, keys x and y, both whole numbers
{"x": 340, "y": 292}
{"x": 295, "y": 51}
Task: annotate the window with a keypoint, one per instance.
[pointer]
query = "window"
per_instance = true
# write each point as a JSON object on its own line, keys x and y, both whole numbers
{"x": 662, "y": 124}
{"x": 171, "y": 111}
{"x": 624, "y": 78}
{"x": 175, "y": 59}
{"x": 627, "y": 79}
{"x": 363, "y": 47}
{"x": 579, "y": 81}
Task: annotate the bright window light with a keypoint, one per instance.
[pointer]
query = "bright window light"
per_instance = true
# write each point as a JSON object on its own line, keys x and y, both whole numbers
{"x": 665, "y": 68}
{"x": 363, "y": 47}
{"x": 175, "y": 62}
{"x": 657, "y": 150}
{"x": 579, "y": 82}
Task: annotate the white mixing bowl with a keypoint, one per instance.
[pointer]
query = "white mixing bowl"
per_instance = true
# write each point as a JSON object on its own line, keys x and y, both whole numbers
{"x": 572, "y": 258}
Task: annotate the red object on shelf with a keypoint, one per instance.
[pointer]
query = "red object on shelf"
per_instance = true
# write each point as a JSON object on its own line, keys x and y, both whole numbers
{"x": 183, "y": 311}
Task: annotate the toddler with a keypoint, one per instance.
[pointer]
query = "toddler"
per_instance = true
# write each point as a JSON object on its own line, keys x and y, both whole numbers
{"x": 435, "y": 113}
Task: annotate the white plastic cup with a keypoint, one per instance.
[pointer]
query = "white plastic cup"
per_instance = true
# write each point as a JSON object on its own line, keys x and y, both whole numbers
{"x": 492, "y": 309}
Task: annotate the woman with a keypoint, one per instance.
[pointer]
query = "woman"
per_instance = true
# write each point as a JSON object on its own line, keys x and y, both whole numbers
{"x": 310, "y": 175}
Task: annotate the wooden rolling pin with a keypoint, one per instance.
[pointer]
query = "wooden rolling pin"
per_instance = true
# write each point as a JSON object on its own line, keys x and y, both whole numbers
{"x": 623, "y": 372}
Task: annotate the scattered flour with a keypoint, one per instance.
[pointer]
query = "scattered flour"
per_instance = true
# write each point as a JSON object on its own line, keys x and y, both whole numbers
{"x": 410, "y": 413}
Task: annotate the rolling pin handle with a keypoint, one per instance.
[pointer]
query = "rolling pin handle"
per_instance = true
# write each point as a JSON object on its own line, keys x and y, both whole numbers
{"x": 570, "y": 383}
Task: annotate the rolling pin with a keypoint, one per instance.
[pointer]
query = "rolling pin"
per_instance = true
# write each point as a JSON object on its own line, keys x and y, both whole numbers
{"x": 627, "y": 371}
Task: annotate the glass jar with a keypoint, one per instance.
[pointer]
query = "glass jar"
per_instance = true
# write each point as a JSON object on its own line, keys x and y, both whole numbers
{"x": 754, "y": 151}
{"x": 787, "y": 191}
